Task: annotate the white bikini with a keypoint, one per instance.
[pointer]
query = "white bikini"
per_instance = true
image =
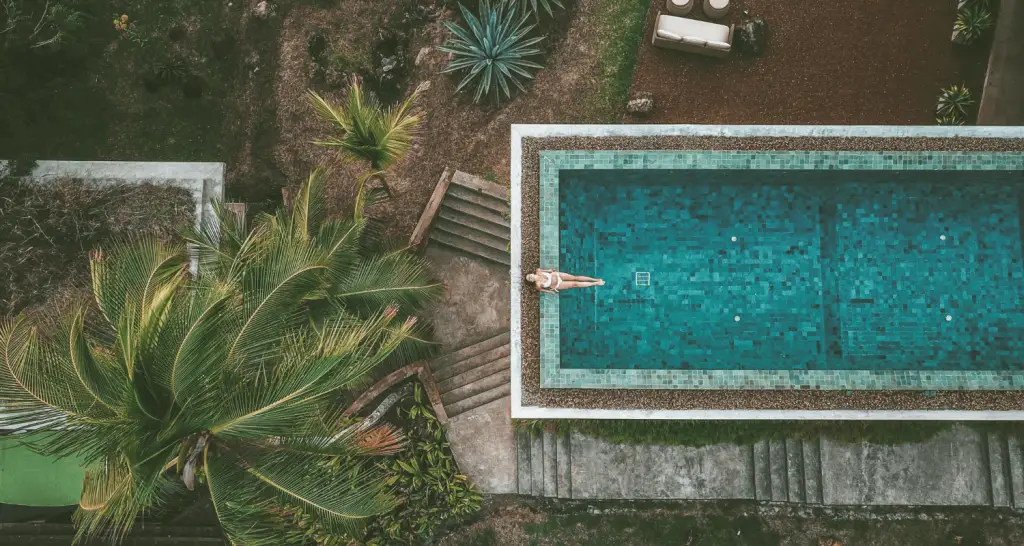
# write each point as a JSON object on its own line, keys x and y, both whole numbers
{"x": 547, "y": 282}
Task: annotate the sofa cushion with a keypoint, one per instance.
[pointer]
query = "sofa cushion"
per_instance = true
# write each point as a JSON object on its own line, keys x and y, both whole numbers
{"x": 693, "y": 40}
{"x": 669, "y": 35}
{"x": 718, "y": 45}
{"x": 682, "y": 26}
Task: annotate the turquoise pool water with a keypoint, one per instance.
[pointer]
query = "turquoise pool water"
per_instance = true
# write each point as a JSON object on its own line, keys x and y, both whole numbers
{"x": 792, "y": 269}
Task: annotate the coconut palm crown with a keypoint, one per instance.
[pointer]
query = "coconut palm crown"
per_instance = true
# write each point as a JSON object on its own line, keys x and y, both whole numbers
{"x": 366, "y": 130}
{"x": 227, "y": 380}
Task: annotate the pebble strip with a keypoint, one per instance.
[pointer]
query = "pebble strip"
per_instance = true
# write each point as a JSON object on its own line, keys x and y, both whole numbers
{"x": 533, "y": 395}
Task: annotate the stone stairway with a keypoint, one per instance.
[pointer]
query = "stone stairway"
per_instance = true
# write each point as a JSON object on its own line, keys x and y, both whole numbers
{"x": 543, "y": 464}
{"x": 474, "y": 218}
{"x": 473, "y": 376}
{"x": 788, "y": 471}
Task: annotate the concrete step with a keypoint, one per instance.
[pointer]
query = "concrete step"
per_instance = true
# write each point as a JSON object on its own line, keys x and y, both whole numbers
{"x": 482, "y": 237}
{"x": 537, "y": 463}
{"x": 550, "y": 465}
{"x": 777, "y": 470}
{"x": 475, "y": 374}
{"x": 477, "y": 400}
{"x": 812, "y": 471}
{"x": 563, "y": 449}
{"x": 476, "y": 387}
{"x": 475, "y": 183}
{"x": 1015, "y": 449}
{"x": 467, "y": 245}
{"x": 480, "y": 198}
{"x": 473, "y": 362}
{"x": 465, "y": 353}
{"x": 461, "y": 218}
{"x": 475, "y": 210}
{"x": 795, "y": 471}
{"x": 999, "y": 469}
{"x": 762, "y": 471}
{"x": 524, "y": 473}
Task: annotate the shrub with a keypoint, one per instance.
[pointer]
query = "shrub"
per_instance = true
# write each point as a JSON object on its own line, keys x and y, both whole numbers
{"x": 702, "y": 433}
{"x": 954, "y": 100}
{"x": 435, "y": 496}
{"x": 971, "y": 22}
{"x": 493, "y": 51}
{"x": 950, "y": 119}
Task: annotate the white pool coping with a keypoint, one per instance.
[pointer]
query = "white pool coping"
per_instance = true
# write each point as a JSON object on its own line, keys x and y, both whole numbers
{"x": 519, "y": 411}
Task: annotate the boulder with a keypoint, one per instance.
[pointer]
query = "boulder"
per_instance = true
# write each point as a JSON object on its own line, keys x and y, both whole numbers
{"x": 751, "y": 36}
{"x": 641, "y": 105}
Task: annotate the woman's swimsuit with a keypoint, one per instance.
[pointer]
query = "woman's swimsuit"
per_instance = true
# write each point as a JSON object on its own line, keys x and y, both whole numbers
{"x": 547, "y": 281}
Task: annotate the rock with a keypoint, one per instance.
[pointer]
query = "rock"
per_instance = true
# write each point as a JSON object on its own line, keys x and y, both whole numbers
{"x": 641, "y": 105}
{"x": 262, "y": 10}
{"x": 423, "y": 53}
{"x": 751, "y": 35}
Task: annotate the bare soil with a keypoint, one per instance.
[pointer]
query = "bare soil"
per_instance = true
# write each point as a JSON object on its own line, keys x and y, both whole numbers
{"x": 874, "y": 62}
{"x": 455, "y": 133}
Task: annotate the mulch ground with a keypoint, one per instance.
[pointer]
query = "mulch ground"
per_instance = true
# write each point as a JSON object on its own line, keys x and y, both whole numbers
{"x": 868, "y": 62}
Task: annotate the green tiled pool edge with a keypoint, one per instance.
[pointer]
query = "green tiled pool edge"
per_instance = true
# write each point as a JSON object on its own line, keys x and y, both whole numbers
{"x": 553, "y": 376}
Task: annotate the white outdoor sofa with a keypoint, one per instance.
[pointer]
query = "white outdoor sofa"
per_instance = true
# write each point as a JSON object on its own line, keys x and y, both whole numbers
{"x": 692, "y": 35}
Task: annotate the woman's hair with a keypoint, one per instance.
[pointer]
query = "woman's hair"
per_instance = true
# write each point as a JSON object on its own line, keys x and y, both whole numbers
{"x": 530, "y": 277}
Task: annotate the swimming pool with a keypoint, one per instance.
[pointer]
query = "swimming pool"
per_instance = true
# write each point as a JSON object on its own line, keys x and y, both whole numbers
{"x": 820, "y": 270}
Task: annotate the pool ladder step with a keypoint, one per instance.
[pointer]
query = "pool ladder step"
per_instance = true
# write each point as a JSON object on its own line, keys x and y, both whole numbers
{"x": 475, "y": 375}
{"x": 474, "y": 218}
{"x": 543, "y": 463}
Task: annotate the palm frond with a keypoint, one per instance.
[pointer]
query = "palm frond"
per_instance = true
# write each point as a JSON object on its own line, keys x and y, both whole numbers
{"x": 399, "y": 279}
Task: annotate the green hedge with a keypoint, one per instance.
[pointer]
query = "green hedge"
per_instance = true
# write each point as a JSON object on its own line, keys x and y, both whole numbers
{"x": 702, "y": 433}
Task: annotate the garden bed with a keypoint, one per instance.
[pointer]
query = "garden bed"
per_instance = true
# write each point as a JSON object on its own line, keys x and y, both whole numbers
{"x": 863, "y": 63}
{"x": 47, "y": 231}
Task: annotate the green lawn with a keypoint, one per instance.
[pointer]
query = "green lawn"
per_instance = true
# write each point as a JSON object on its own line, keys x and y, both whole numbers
{"x": 735, "y": 524}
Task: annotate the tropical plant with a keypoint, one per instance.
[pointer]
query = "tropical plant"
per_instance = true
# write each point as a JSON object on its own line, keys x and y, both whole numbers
{"x": 170, "y": 70}
{"x": 952, "y": 118}
{"x": 435, "y": 496}
{"x": 365, "y": 130}
{"x": 228, "y": 378}
{"x": 534, "y": 7}
{"x": 492, "y": 52}
{"x": 954, "y": 100}
{"x": 971, "y": 22}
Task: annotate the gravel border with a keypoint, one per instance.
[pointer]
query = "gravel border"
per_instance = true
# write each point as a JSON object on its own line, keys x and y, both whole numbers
{"x": 651, "y": 399}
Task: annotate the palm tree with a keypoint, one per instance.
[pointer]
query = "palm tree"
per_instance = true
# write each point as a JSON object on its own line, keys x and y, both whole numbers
{"x": 230, "y": 377}
{"x": 367, "y": 131}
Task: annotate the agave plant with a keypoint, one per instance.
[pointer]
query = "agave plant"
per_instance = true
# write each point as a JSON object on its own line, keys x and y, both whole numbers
{"x": 971, "y": 22}
{"x": 366, "y": 130}
{"x": 534, "y": 7}
{"x": 227, "y": 379}
{"x": 954, "y": 100}
{"x": 493, "y": 51}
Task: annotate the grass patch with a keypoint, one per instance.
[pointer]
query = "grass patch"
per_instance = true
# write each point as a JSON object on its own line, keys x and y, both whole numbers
{"x": 702, "y": 433}
{"x": 622, "y": 24}
{"x": 608, "y": 523}
{"x": 47, "y": 231}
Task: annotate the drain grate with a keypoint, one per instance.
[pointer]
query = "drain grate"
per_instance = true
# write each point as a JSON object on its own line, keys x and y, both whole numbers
{"x": 643, "y": 278}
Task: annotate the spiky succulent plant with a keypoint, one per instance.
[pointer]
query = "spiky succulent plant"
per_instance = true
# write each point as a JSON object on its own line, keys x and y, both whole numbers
{"x": 971, "y": 22}
{"x": 535, "y": 7}
{"x": 493, "y": 51}
{"x": 950, "y": 119}
{"x": 954, "y": 100}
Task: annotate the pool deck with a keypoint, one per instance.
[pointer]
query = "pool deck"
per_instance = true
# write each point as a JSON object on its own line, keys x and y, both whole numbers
{"x": 531, "y": 401}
